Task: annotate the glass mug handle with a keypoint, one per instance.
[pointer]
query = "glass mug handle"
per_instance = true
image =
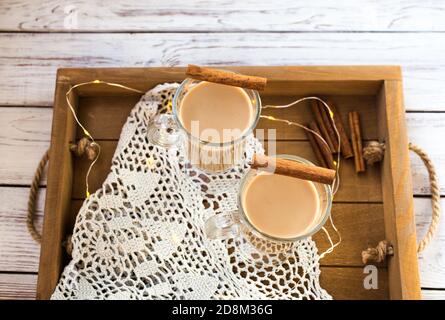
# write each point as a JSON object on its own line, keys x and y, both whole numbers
{"x": 223, "y": 226}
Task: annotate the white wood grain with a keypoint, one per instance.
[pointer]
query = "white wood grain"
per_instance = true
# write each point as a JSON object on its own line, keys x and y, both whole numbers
{"x": 176, "y": 33}
{"x": 232, "y": 15}
{"x": 28, "y": 62}
{"x": 24, "y": 136}
{"x": 433, "y": 294}
{"x": 18, "y": 251}
{"x": 432, "y": 259}
{"x": 427, "y": 130}
{"x": 18, "y": 286}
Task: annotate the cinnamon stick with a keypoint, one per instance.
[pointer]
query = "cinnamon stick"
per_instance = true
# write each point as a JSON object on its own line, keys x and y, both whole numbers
{"x": 319, "y": 119}
{"x": 294, "y": 169}
{"x": 328, "y": 121}
{"x": 356, "y": 138}
{"x": 346, "y": 148}
{"x": 316, "y": 148}
{"x": 226, "y": 77}
{"x": 327, "y": 155}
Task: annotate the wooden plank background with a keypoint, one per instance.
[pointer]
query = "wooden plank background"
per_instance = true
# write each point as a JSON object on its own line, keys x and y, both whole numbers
{"x": 37, "y": 37}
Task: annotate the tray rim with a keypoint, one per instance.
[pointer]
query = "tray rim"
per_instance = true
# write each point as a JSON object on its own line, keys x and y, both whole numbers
{"x": 384, "y": 81}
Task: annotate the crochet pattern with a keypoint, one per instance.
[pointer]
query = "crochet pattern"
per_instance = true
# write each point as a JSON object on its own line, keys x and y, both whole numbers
{"x": 141, "y": 236}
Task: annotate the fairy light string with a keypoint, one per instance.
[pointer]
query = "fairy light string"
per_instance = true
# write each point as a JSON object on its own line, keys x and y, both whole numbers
{"x": 336, "y": 183}
{"x": 85, "y": 131}
{"x": 334, "y": 186}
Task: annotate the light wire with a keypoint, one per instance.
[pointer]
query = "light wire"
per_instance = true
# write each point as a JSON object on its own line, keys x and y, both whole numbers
{"x": 336, "y": 183}
{"x": 85, "y": 131}
{"x": 334, "y": 186}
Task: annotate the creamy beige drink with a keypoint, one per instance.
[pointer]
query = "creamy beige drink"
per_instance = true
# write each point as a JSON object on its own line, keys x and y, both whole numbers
{"x": 280, "y": 206}
{"x": 224, "y": 113}
{"x": 216, "y": 117}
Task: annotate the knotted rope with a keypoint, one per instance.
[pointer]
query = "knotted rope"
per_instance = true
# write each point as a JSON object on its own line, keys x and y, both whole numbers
{"x": 435, "y": 196}
{"x": 83, "y": 146}
{"x": 377, "y": 254}
{"x": 33, "y": 192}
{"x": 373, "y": 153}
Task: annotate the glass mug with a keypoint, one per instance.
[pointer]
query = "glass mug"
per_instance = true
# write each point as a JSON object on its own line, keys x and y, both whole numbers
{"x": 214, "y": 157}
{"x": 236, "y": 225}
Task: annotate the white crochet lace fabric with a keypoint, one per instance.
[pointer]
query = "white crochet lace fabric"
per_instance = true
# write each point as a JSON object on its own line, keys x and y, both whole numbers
{"x": 141, "y": 236}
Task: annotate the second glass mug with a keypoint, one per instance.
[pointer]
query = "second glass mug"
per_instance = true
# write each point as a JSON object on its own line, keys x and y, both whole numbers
{"x": 237, "y": 225}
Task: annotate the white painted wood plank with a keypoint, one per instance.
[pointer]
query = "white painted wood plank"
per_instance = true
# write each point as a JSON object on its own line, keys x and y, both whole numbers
{"x": 432, "y": 259}
{"x": 27, "y": 131}
{"x": 427, "y": 130}
{"x": 23, "y": 139}
{"x": 232, "y": 15}
{"x": 18, "y": 286}
{"x": 433, "y": 294}
{"x": 18, "y": 251}
{"x": 28, "y": 62}
{"x": 24, "y": 136}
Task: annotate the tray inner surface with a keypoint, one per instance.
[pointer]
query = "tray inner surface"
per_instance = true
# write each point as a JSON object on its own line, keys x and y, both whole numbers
{"x": 358, "y": 207}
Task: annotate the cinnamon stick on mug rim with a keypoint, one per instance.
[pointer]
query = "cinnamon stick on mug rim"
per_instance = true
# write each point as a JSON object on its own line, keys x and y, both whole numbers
{"x": 226, "y": 77}
{"x": 293, "y": 169}
{"x": 356, "y": 138}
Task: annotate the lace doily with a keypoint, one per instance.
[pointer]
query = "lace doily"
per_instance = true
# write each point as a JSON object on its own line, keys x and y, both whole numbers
{"x": 141, "y": 236}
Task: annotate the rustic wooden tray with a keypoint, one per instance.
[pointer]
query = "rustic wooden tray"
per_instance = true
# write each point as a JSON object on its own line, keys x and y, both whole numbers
{"x": 369, "y": 207}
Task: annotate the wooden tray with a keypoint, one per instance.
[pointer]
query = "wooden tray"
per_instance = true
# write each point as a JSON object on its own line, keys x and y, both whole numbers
{"x": 368, "y": 208}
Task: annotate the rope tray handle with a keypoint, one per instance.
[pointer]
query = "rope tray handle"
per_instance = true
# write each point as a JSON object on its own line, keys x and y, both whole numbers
{"x": 83, "y": 147}
{"x": 373, "y": 153}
